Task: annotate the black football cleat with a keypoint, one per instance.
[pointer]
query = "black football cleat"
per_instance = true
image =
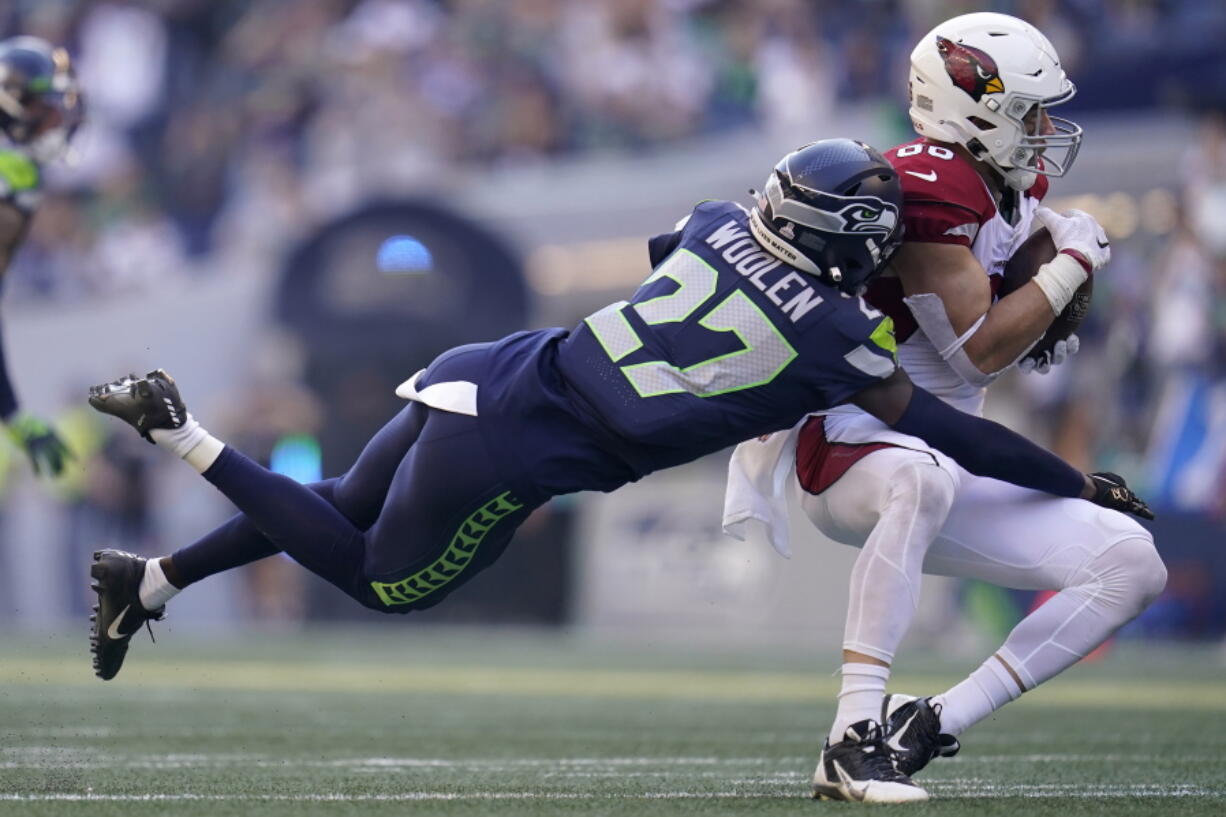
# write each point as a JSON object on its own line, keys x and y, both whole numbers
{"x": 118, "y": 613}
{"x": 144, "y": 403}
{"x": 860, "y": 768}
{"x": 913, "y": 732}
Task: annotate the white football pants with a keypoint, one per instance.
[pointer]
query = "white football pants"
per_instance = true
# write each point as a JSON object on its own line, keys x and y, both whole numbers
{"x": 911, "y": 515}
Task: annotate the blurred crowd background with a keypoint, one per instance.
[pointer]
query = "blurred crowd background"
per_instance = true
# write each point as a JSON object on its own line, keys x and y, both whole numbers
{"x": 376, "y": 180}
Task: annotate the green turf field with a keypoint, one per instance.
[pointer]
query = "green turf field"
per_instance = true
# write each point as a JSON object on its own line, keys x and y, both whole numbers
{"x": 455, "y": 722}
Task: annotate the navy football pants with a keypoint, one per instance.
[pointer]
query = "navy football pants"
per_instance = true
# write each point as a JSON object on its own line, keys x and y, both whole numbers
{"x": 421, "y": 511}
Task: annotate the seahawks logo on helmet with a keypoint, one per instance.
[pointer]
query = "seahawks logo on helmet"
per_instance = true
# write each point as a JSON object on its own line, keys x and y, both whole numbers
{"x": 830, "y": 213}
{"x": 869, "y": 217}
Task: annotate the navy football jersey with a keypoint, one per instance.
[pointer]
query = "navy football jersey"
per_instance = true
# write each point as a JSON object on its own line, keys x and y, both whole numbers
{"x": 722, "y": 343}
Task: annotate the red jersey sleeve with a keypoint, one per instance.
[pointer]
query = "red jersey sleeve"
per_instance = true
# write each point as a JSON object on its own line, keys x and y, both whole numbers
{"x": 944, "y": 199}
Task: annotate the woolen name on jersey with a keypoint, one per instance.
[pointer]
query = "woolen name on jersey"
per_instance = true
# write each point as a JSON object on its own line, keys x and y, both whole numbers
{"x": 747, "y": 257}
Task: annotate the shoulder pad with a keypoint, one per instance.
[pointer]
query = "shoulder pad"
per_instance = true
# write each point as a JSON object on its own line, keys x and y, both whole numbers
{"x": 707, "y": 213}
{"x": 934, "y": 173}
{"x": 858, "y": 321}
{"x": 944, "y": 199}
{"x": 704, "y": 214}
{"x": 712, "y": 208}
{"x": 869, "y": 337}
{"x": 20, "y": 180}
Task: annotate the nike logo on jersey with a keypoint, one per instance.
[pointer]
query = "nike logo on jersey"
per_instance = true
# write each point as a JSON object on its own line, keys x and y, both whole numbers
{"x": 930, "y": 176}
{"x": 112, "y": 632}
{"x": 1103, "y": 244}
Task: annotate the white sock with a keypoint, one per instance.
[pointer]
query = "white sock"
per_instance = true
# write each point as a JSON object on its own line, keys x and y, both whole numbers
{"x": 191, "y": 442}
{"x": 155, "y": 588}
{"x": 986, "y": 689}
{"x": 860, "y": 697}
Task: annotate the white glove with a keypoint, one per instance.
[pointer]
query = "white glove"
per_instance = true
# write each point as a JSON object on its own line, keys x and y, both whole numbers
{"x": 1059, "y": 353}
{"x": 1077, "y": 230}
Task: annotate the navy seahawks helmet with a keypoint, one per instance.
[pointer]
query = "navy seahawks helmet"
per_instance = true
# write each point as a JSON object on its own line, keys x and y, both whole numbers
{"x": 40, "y": 102}
{"x": 831, "y": 209}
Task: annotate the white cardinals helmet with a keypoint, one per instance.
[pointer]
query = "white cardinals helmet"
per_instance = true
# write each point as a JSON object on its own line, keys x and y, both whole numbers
{"x": 976, "y": 81}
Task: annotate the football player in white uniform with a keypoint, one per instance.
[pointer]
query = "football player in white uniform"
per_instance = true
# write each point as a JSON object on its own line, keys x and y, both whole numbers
{"x": 981, "y": 86}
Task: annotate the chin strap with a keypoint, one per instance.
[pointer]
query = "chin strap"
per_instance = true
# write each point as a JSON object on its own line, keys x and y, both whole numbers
{"x": 1020, "y": 180}
{"x": 1015, "y": 178}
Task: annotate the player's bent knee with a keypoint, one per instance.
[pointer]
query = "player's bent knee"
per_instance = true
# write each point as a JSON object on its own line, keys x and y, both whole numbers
{"x": 1148, "y": 569}
{"x": 1134, "y": 571}
{"x": 896, "y": 481}
{"x": 923, "y": 488}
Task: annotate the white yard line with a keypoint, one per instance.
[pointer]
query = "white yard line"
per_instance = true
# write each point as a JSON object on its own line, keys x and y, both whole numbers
{"x": 943, "y": 791}
{"x": 77, "y": 758}
{"x": 43, "y": 757}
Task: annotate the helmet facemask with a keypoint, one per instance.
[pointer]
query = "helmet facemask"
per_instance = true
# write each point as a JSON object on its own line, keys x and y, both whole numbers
{"x": 1030, "y": 153}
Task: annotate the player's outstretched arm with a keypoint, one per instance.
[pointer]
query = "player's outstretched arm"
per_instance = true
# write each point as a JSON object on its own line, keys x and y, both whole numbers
{"x": 13, "y": 225}
{"x": 989, "y": 449}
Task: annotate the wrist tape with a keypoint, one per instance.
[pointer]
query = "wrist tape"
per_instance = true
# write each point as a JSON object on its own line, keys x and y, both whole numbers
{"x": 1059, "y": 279}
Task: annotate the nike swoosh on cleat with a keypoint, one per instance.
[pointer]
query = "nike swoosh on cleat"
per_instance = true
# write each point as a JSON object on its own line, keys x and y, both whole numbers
{"x": 930, "y": 176}
{"x": 1101, "y": 244}
{"x": 893, "y": 742}
{"x": 112, "y": 632}
{"x": 857, "y": 792}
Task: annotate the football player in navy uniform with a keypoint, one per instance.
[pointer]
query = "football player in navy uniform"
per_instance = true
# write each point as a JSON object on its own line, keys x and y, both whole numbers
{"x": 981, "y": 88}
{"x": 749, "y": 320}
{"x": 40, "y": 108}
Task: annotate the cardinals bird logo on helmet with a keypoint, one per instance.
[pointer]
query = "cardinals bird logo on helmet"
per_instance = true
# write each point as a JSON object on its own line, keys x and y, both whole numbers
{"x": 971, "y": 69}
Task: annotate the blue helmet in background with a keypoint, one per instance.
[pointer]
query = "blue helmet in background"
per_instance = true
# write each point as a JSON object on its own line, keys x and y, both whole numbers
{"x": 40, "y": 101}
{"x": 832, "y": 209}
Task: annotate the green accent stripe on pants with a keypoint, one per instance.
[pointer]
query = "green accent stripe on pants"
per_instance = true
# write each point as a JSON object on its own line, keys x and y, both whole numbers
{"x": 454, "y": 560}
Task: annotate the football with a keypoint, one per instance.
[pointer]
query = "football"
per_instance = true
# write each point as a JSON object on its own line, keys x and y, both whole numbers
{"x": 1034, "y": 253}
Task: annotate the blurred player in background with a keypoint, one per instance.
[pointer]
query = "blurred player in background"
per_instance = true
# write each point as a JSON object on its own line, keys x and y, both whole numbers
{"x": 40, "y": 108}
{"x": 749, "y": 321}
{"x": 980, "y": 89}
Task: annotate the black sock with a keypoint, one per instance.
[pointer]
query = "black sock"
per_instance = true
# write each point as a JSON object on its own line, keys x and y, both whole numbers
{"x": 232, "y": 544}
{"x": 292, "y": 517}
